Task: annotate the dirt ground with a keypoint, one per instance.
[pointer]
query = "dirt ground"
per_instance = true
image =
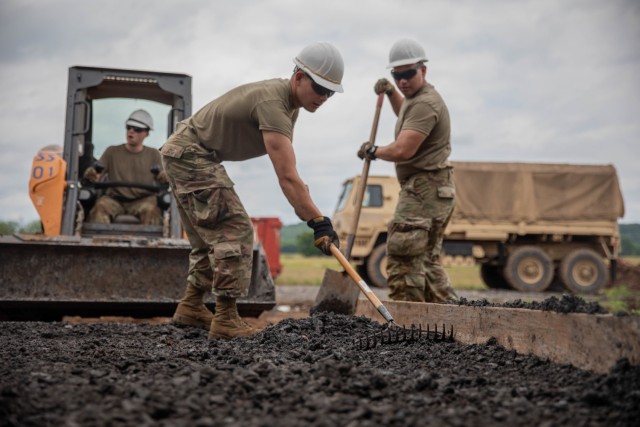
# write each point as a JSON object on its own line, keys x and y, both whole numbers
{"x": 298, "y": 372}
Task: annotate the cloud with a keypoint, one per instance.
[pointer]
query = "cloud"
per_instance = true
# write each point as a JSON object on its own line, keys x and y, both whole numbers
{"x": 535, "y": 80}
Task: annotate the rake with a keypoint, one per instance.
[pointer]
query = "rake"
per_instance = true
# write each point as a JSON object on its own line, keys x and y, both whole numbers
{"x": 395, "y": 334}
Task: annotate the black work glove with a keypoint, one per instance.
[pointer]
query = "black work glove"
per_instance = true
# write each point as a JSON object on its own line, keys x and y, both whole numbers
{"x": 323, "y": 234}
{"x": 367, "y": 152}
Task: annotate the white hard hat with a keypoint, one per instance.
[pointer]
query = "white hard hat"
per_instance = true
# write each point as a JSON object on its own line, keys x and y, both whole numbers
{"x": 323, "y": 63}
{"x": 141, "y": 119}
{"x": 406, "y": 52}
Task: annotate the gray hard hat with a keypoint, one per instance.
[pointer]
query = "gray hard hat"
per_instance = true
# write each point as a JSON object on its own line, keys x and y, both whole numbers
{"x": 323, "y": 63}
{"x": 141, "y": 119}
{"x": 406, "y": 52}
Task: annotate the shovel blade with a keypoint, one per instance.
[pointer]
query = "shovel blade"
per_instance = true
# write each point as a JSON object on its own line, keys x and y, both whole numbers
{"x": 337, "y": 294}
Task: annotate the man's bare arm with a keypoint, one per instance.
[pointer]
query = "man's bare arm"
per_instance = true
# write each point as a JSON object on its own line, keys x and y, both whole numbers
{"x": 280, "y": 151}
{"x": 403, "y": 148}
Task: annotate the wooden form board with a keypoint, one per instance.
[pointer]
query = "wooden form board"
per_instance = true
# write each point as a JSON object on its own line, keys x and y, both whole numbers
{"x": 587, "y": 341}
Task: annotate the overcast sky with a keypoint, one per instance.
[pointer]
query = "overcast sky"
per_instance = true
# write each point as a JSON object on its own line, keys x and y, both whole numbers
{"x": 525, "y": 81}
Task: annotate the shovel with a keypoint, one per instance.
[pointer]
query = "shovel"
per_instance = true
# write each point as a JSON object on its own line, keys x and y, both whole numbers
{"x": 337, "y": 293}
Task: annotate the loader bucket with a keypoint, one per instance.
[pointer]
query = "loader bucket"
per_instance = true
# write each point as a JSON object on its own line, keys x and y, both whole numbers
{"x": 44, "y": 278}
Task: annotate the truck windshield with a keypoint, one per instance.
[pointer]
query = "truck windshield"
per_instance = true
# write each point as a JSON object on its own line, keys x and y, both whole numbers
{"x": 372, "y": 196}
{"x": 344, "y": 196}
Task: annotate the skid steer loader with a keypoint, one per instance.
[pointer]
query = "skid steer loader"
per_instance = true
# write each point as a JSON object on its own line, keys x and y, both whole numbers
{"x": 77, "y": 268}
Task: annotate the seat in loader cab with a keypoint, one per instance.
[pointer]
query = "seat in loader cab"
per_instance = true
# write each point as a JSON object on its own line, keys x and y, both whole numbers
{"x": 123, "y": 223}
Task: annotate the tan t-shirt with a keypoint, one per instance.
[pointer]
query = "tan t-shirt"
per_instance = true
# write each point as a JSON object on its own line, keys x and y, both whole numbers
{"x": 125, "y": 166}
{"x": 425, "y": 112}
{"x": 231, "y": 125}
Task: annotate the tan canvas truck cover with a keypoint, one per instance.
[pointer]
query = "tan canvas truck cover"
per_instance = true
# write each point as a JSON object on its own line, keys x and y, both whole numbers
{"x": 533, "y": 192}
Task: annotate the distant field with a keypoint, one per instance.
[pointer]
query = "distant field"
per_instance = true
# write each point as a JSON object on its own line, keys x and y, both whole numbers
{"x": 300, "y": 270}
{"x": 635, "y": 260}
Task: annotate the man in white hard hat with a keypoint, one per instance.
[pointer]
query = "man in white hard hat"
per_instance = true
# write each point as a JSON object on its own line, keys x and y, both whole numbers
{"x": 131, "y": 162}
{"x": 251, "y": 120}
{"x": 421, "y": 155}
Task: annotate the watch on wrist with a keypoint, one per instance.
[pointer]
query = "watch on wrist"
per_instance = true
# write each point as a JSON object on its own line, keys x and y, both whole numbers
{"x": 372, "y": 151}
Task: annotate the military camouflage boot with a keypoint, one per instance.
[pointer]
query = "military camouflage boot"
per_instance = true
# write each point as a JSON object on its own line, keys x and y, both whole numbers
{"x": 227, "y": 323}
{"x": 191, "y": 311}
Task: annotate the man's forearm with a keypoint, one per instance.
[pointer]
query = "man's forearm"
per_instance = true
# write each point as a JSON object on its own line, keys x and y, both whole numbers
{"x": 298, "y": 196}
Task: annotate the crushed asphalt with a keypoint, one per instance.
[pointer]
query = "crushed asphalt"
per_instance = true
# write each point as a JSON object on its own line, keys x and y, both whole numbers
{"x": 306, "y": 371}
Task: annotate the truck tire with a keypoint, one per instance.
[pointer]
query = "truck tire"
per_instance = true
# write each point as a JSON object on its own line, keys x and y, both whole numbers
{"x": 377, "y": 266}
{"x": 583, "y": 271}
{"x": 529, "y": 269}
{"x": 493, "y": 277}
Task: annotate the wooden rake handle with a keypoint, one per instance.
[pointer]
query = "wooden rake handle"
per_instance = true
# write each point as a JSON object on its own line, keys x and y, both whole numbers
{"x": 361, "y": 284}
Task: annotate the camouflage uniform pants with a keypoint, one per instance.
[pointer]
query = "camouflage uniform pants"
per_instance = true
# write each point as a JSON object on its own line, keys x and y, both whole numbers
{"x": 415, "y": 238}
{"x": 214, "y": 219}
{"x": 145, "y": 209}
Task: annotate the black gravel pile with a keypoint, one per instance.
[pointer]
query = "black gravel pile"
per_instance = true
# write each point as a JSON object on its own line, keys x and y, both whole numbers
{"x": 298, "y": 372}
{"x": 568, "y": 303}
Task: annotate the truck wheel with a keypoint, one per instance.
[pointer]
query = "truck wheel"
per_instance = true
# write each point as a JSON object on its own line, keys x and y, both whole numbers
{"x": 583, "y": 271}
{"x": 529, "y": 269}
{"x": 492, "y": 276}
{"x": 377, "y": 266}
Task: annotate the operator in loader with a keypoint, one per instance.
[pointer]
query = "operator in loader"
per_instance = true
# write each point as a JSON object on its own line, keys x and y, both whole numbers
{"x": 427, "y": 197}
{"x": 249, "y": 121}
{"x": 131, "y": 162}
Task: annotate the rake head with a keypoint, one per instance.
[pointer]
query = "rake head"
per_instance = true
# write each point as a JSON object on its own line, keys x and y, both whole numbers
{"x": 394, "y": 334}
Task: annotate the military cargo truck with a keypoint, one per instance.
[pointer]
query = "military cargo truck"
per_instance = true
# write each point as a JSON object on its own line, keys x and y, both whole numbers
{"x": 529, "y": 226}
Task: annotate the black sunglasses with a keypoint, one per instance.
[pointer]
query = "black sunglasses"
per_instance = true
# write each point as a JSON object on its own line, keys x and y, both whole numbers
{"x": 136, "y": 129}
{"x": 406, "y": 74}
{"x": 320, "y": 90}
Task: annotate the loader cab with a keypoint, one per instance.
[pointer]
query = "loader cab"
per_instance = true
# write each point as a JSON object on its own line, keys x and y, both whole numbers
{"x": 99, "y": 101}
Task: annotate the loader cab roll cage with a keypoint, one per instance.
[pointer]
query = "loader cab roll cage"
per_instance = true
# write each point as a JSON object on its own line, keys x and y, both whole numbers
{"x": 87, "y": 84}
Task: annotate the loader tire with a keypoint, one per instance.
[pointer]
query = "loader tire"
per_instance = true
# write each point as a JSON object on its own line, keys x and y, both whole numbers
{"x": 377, "y": 266}
{"x": 529, "y": 269}
{"x": 583, "y": 271}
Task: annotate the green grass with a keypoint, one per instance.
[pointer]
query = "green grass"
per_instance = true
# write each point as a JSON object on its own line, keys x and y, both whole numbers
{"x": 300, "y": 270}
{"x": 621, "y": 300}
{"x": 466, "y": 278}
